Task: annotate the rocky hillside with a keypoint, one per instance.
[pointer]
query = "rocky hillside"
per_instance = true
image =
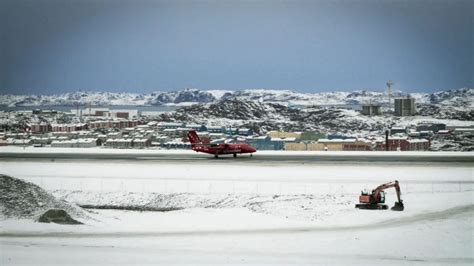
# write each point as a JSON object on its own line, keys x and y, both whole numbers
{"x": 459, "y": 98}
{"x": 273, "y": 116}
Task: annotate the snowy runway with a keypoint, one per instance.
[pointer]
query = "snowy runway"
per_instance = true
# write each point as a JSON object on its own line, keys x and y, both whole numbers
{"x": 246, "y": 213}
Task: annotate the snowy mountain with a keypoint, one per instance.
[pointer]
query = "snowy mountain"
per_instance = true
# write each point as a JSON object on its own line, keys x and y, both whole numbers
{"x": 73, "y": 98}
{"x": 463, "y": 98}
{"x": 177, "y": 97}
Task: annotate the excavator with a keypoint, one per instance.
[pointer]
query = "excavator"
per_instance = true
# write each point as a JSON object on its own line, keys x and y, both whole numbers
{"x": 375, "y": 200}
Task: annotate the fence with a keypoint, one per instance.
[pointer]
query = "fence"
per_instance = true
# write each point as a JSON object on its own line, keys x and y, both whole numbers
{"x": 167, "y": 186}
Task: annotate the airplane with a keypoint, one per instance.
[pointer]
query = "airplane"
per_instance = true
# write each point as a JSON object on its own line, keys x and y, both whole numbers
{"x": 218, "y": 149}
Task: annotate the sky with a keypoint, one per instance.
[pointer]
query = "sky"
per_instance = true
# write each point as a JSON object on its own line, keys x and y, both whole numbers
{"x": 54, "y": 46}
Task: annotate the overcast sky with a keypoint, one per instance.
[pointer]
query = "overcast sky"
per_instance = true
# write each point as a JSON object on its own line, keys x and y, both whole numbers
{"x": 50, "y": 46}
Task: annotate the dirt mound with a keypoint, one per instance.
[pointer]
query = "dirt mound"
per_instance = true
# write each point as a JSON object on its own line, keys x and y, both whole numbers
{"x": 57, "y": 216}
{"x": 21, "y": 199}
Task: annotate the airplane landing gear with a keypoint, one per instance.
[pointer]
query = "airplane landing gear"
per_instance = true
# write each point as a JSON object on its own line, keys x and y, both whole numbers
{"x": 235, "y": 155}
{"x": 216, "y": 156}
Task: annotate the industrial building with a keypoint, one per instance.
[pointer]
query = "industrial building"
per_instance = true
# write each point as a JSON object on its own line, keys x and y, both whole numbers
{"x": 371, "y": 109}
{"x": 405, "y": 106}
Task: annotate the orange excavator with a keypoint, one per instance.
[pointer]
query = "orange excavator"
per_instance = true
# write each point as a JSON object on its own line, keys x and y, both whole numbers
{"x": 376, "y": 200}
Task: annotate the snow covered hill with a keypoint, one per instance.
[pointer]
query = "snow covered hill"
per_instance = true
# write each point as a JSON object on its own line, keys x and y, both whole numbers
{"x": 22, "y": 199}
{"x": 457, "y": 97}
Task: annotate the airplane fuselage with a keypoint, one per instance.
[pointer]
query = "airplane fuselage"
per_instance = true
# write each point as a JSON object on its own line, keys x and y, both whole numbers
{"x": 218, "y": 149}
{"x": 224, "y": 148}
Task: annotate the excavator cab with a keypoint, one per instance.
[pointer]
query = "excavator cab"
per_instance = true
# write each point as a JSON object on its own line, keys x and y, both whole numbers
{"x": 381, "y": 197}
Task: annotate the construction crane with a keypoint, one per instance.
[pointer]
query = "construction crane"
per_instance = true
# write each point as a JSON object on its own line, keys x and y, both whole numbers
{"x": 375, "y": 200}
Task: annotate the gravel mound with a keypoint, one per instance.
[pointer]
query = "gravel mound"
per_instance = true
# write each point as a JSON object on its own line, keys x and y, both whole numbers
{"x": 58, "y": 216}
{"x": 21, "y": 199}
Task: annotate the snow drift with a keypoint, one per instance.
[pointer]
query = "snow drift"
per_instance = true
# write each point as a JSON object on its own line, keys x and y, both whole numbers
{"x": 21, "y": 199}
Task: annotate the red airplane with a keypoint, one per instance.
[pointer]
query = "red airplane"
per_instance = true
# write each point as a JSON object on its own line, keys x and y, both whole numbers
{"x": 218, "y": 149}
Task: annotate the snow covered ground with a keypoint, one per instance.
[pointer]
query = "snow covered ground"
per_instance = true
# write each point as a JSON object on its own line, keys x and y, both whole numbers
{"x": 242, "y": 213}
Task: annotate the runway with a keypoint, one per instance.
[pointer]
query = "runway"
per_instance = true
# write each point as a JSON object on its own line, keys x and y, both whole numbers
{"x": 258, "y": 157}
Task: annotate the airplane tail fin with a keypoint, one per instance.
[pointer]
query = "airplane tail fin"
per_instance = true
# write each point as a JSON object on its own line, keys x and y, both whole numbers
{"x": 194, "y": 138}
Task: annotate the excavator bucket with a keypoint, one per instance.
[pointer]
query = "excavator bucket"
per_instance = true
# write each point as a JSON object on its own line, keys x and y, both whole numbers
{"x": 398, "y": 206}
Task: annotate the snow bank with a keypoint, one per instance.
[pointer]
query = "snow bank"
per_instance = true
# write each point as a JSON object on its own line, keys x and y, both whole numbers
{"x": 20, "y": 199}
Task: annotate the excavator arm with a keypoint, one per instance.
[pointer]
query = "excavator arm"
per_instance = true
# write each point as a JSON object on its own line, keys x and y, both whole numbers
{"x": 376, "y": 192}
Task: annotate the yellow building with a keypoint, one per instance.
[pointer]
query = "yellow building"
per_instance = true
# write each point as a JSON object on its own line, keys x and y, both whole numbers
{"x": 335, "y": 144}
{"x": 295, "y": 146}
{"x": 314, "y": 146}
{"x": 283, "y": 134}
{"x": 302, "y": 146}
{"x": 330, "y": 145}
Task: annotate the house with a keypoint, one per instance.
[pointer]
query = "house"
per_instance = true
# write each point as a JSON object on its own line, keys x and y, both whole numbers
{"x": 119, "y": 143}
{"x": 398, "y": 130}
{"x": 197, "y": 127}
{"x": 141, "y": 143}
{"x": 434, "y": 127}
{"x": 418, "y": 144}
{"x": 215, "y": 129}
{"x": 40, "y": 128}
{"x": 463, "y": 131}
{"x": 76, "y": 143}
{"x": 168, "y": 125}
{"x": 245, "y": 131}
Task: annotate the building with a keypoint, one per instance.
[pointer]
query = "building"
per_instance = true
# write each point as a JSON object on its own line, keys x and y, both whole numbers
{"x": 68, "y": 127}
{"x": 463, "y": 132}
{"x": 435, "y": 127}
{"x": 40, "y": 128}
{"x": 358, "y": 145}
{"x": 398, "y": 130}
{"x": 279, "y": 143}
{"x": 404, "y": 144}
{"x": 106, "y": 124}
{"x": 262, "y": 143}
{"x": 405, "y": 106}
{"x": 119, "y": 143}
{"x": 106, "y": 112}
{"x": 334, "y": 144}
{"x": 245, "y": 131}
{"x": 215, "y": 129}
{"x": 296, "y": 146}
{"x": 76, "y": 143}
{"x": 371, "y": 109}
{"x": 41, "y": 140}
{"x": 283, "y": 134}
{"x": 418, "y": 144}
{"x": 19, "y": 142}
{"x": 169, "y": 125}
{"x": 141, "y": 143}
